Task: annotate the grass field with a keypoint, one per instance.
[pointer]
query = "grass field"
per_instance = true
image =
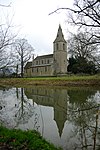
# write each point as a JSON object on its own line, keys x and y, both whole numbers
{"x": 56, "y": 81}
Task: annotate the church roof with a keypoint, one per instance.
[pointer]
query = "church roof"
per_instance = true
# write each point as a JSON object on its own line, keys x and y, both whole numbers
{"x": 28, "y": 65}
{"x": 60, "y": 36}
{"x": 44, "y": 56}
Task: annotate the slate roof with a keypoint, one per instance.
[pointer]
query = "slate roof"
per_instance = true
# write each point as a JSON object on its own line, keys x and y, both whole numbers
{"x": 44, "y": 57}
{"x": 28, "y": 65}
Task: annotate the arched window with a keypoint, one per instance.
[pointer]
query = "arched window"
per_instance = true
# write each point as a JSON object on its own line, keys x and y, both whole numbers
{"x": 45, "y": 68}
{"x": 42, "y": 61}
{"x": 32, "y": 69}
{"x": 48, "y": 61}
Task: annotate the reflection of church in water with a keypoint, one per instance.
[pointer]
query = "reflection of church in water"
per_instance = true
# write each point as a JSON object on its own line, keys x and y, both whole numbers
{"x": 55, "y": 98}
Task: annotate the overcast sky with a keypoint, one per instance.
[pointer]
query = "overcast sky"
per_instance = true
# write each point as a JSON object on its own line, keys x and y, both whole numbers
{"x": 36, "y": 25}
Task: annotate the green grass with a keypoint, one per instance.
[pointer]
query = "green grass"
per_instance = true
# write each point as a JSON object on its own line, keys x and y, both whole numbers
{"x": 72, "y": 77}
{"x": 28, "y": 140}
{"x": 67, "y": 77}
{"x": 68, "y": 80}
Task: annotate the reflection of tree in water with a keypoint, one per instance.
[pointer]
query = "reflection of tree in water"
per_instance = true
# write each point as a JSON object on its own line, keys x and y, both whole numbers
{"x": 80, "y": 95}
{"x": 16, "y": 109}
{"x": 3, "y": 95}
{"x": 84, "y": 113}
{"x": 2, "y": 109}
{"x": 25, "y": 108}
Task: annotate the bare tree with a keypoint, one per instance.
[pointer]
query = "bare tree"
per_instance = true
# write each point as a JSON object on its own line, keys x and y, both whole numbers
{"x": 86, "y": 10}
{"x": 6, "y": 39}
{"x": 83, "y": 45}
{"x": 23, "y": 52}
{"x": 83, "y": 53}
{"x": 85, "y": 13}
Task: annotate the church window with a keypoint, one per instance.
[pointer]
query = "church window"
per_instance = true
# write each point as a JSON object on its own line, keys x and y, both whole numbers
{"x": 32, "y": 69}
{"x": 45, "y": 68}
{"x": 48, "y": 61}
{"x": 57, "y": 46}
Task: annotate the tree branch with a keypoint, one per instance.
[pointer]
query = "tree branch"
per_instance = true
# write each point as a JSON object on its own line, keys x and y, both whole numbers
{"x": 5, "y": 5}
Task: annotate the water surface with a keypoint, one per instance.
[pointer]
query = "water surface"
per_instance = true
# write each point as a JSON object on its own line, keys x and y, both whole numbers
{"x": 67, "y": 117}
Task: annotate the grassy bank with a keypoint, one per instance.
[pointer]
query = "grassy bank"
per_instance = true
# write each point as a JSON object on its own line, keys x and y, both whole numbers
{"x": 27, "y": 140}
{"x": 53, "y": 81}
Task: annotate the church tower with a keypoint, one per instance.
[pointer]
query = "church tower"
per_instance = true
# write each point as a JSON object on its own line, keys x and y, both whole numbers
{"x": 60, "y": 53}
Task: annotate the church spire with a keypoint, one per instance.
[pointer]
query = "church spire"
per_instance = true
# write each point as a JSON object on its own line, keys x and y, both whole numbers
{"x": 60, "y": 36}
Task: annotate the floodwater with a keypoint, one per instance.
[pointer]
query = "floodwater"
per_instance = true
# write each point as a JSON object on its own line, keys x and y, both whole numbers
{"x": 66, "y": 117}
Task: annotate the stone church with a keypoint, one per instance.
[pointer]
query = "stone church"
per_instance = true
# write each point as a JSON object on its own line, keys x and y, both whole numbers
{"x": 50, "y": 65}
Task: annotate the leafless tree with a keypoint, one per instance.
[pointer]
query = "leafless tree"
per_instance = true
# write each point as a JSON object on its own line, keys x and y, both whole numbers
{"x": 23, "y": 52}
{"x": 6, "y": 39}
{"x": 85, "y": 13}
{"x": 83, "y": 45}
